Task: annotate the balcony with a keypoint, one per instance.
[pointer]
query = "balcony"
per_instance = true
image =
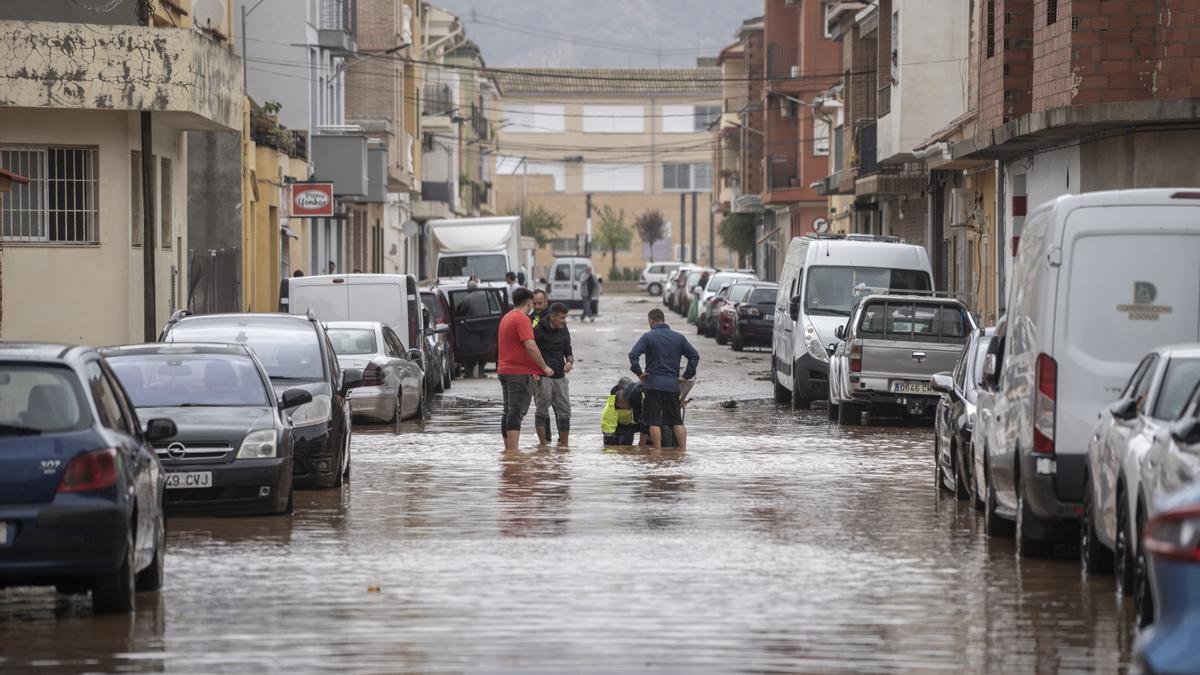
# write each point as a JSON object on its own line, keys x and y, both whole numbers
{"x": 866, "y": 148}
{"x": 338, "y": 25}
{"x": 781, "y": 172}
{"x": 437, "y": 191}
{"x": 188, "y": 80}
{"x": 893, "y": 180}
{"x": 437, "y": 99}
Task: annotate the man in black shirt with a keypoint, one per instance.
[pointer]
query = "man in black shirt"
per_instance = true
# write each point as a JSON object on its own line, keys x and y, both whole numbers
{"x": 554, "y": 340}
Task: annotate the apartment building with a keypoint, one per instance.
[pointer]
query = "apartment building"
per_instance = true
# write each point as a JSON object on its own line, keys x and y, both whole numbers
{"x": 633, "y": 140}
{"x": 99, "y": 144}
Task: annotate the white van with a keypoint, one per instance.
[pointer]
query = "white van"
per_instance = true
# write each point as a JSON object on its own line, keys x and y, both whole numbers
{"x": 564, "y": 281}
{"x": 655, "y": 275}
{"x": 816, "y": 295}
{"x": 1099, "y": 280}
{"x": 391, "y": 299}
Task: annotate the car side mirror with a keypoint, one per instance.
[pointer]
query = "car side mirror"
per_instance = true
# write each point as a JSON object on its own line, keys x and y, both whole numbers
{"x": 1186, "y": 431}
{"x": 794, "y": 308}
{"x": 160, "y": 429}
{"x": 942, "y": 382}
{"x": 831, "y": 348}
{"x": 351, "y": 378}
{"x": 989, "y": 370}
{"x": 839, "y": 332}
{"x": 1124, "y": 409}
{"x": 414, "y": 355}
{"x": 293, "y": 398}
{"x": 441, "y": 328}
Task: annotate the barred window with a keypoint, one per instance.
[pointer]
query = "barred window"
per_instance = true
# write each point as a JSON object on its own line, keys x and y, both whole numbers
{"x": 60, "y": 203}
{"x": 687, "y": 177}
{"x": 164, "y": 200}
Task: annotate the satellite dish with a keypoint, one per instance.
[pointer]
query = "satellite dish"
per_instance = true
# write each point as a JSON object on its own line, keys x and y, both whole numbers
{"x": 208, "y": 13}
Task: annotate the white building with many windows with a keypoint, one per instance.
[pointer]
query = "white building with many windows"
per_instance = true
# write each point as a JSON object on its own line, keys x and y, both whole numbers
{"x": 633, "y": 139}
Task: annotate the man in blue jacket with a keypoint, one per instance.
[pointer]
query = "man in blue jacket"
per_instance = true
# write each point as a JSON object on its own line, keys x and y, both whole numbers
{"x": 663, "y": 348}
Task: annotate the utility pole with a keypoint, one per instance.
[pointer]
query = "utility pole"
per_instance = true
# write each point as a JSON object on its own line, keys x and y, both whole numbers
{"x": 682, "y": 226}
{"x": 149, "y": 321}
{"x": 587, "y": 242}
{"x": 694, "y": 241}
{"x": 246, "y": 55}
{"x": 712, "y": 237}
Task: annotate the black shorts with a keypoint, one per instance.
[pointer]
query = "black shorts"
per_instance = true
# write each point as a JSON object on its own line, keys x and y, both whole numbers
{"x": 661, "y": 409}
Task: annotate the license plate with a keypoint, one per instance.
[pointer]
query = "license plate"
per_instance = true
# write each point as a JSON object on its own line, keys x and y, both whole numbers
{"x": 768, "y": 317}
{"x": 911, "y": 388}
{"x": 181, "y": 480}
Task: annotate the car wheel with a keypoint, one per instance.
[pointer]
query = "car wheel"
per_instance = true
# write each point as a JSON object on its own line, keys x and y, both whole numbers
{"x": 938, "y": 479}
{"x": 973, "y": 488}
{"x": 799, "y": 402}
{"x": 737, "y": 344}
{"x": 832, "y": 411}
{"x": 960, "y": 481}
{"x": 439, "y": 384}
{"x": 114, "y": 593}
{"x": 291, "y": 503}
{"x": 849, "y": 414}
{"x": 1122, "y": 558}
{"x": 782, "y": 395}
{"x": 654, "y": 289}
{"x": 993, "y": 524}
{"x": 446, "y": 379}
{"x": 343, "y": 460}
{"x": 1094, "y": 558}
{"x": 151, "y": 578}
{"x": 1027, "y": 544}
{"x": 1143, "y": 600}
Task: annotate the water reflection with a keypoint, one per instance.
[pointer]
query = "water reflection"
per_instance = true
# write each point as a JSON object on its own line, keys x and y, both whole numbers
{"x": 534, "y": 492}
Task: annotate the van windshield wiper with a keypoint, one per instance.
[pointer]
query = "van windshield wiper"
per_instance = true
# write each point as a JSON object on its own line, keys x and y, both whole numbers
{"x": 16, "y": 430}
{"x": 829, "y": 310}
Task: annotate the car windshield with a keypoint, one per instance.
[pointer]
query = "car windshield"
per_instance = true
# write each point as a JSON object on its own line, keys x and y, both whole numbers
{"x": 36, "y": 399}
{"x": 180, "y": 380}
{"x": 762, "y": 296}
{"x": 1178, "y": 384}
{"x": 288, "y": 349}
{"x": 716, "y": 281}
{"x": 487, "y": 267}
{"x": 830, "y": 289}
{"x": 353, "y": 341}
{"x": 739, "y": 293}
{"x": 981, "y": 352}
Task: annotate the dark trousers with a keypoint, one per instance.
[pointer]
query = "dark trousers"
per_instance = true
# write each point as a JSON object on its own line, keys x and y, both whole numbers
{"x": 518, "y": 392}
{"x": 623, "y": 435}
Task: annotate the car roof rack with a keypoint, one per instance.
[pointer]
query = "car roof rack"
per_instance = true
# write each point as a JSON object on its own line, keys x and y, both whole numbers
{"x": 883, "y": 238}
{"x": 876, "y": 290}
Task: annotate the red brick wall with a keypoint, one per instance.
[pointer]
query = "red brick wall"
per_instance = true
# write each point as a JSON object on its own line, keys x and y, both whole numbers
{"x": 1005, "y": 79}
{"x": 752, "y": 148}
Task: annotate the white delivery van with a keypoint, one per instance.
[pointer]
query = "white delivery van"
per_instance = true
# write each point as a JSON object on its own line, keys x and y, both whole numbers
{"x": 391, "y": 299}
{"x": 1099, "y": 280}
{"x": 486, "y": 248}
{"x": 565, "y": 281}
{"x": 816, "y": 295}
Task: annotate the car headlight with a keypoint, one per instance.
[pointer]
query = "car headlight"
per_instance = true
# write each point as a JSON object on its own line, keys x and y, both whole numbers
{"x": 258, "y": 445}
{"x": 314, "y": 412}
{"x": 813, "y": 341}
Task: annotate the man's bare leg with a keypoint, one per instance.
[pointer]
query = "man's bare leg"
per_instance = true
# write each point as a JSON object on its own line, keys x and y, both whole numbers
{"x": 512, "y": 441}
{"x": 656, "y": 437}
{"x": 680, "y": 437}
{"x": 562, "y": 438}
{"x": 543, "y": 436}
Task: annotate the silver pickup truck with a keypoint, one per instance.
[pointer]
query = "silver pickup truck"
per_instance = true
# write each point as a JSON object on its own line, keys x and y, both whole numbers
{"x": 890, "y": 348}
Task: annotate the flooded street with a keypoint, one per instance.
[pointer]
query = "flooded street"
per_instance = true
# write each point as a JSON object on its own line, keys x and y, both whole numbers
{"x": 778, "y": 542}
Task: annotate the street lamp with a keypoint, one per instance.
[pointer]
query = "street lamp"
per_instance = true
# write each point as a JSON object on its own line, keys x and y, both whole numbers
{"x": 245, "y": 54}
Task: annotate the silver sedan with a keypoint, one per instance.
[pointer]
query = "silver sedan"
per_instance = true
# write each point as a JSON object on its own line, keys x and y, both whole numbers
{"x": 393, "y": 384}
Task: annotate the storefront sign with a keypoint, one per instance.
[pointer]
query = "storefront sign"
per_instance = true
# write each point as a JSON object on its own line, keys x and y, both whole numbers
{"x": 312, "y": 200}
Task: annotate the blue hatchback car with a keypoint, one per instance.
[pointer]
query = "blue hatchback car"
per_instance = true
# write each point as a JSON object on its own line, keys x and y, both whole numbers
{"x": 1172, "y": 543}
{"x": 81, "y": 489}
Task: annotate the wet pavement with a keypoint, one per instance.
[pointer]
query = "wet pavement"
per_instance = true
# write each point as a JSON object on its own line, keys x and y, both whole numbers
{"x": 778, "y": 542}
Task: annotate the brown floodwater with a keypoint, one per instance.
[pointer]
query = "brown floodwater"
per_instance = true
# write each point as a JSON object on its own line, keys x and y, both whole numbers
{"x": 777, "y": 542}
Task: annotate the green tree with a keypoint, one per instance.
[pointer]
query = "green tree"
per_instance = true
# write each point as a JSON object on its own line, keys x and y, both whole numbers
{"x": 613, "y": 234}
{"x": 541, "y": 224}
{"x": 651, "y": 228}
{"x": 737, "y": 233}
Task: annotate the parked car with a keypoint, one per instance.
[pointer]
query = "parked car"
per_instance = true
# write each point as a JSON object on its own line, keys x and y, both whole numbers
{"x": 749, "y": 316}
{"x": 690, "y": 289}
{"x": 72, "y": 515}
{"x": 816, "y": 294}
{"x": 710, "y": 310}
{"x": 1151, "y": 401}
{"x": 655, "y": 275}
{"x": 995, "y": 523}
{"x": 441, "y": 337}
{"x": 392, "y": 383}
{"x": 297, "y": 355}
{"x": 1093, "y": 289}
{"x": 954, "y": 420}
{"x": 676, "y": 280}
{"x": 1172, "y": 545}
{"x": 889, "y": 351}
{"x": 475, "y": 319}
{"x": 706, "y": 322}
{"x": 232, "y": 453}
{"x": 565, "y": 284}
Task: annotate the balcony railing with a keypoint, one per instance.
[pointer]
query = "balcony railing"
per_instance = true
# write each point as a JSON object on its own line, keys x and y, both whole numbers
{"x": 338, "y": 15}
{"x": 781, "y": 172}
{"x": 866, "y": 148}
{"x": 439, "y": 100}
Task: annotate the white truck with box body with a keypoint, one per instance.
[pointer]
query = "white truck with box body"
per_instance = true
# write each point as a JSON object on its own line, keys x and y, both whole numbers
{"x": 486, "y": 248}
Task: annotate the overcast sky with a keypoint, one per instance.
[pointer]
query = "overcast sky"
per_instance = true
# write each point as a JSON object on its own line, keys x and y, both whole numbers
{"x": 601, "y": 33}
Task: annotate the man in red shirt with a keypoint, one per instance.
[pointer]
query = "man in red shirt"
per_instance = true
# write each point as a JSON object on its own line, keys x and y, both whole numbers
{"x": 519, "y": 365}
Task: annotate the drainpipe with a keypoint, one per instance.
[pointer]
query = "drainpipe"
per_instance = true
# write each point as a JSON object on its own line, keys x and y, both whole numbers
{"x": 149, "y": 323}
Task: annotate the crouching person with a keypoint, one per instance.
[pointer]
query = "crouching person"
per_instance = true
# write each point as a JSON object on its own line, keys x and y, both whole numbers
{"x": 622, "y": 412}
{"x": 554, "y": 340}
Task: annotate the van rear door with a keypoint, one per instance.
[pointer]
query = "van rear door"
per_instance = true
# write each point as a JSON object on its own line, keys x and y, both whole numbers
{"x": 328, "y": 300}
{"x": 1129, "y": 283}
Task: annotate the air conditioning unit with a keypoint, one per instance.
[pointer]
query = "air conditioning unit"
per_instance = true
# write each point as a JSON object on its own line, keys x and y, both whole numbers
{"x": 961, "y": 201}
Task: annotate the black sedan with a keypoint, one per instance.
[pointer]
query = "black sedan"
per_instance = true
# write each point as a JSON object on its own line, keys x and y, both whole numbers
{"x": 954, "y": 420}
{"x": 80, "y": 487}
{"x": 748, "y": 316}
{"x": 233, "y": 450}
{"x": 297, "y": 354}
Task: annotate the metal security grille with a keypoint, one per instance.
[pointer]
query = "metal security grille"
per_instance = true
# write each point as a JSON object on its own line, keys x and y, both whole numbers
{"x": 60, "y": 203}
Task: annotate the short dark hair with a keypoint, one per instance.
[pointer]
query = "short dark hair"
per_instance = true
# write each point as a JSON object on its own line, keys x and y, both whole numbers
{"x": 558, "y": 308}
{"x": 521, "y": 296}
{"x": 539, "y": 292}
{"x": 657, "y": 316}
{"x": 510, "y": 276}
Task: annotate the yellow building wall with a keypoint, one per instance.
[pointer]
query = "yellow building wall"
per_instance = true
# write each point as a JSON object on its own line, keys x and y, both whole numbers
{"x": 983, "y": 238}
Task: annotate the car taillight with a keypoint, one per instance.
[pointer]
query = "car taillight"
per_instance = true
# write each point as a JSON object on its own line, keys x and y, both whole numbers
{"x": 372, "y": 375}
{"x": 746, "y": 310}
{"x": 1044, "y": 406}
{"x": 856, "y": 357}
{"x": 1175, "y": 535}
{"x": 95, "y": 470}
